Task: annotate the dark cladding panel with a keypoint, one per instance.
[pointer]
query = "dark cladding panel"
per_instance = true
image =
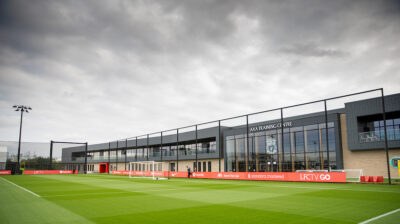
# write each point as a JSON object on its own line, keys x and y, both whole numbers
{"x": 364, "y": 108}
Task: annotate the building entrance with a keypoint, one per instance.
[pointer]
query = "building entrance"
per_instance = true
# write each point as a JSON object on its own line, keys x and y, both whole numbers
{"x": 103, "y": 168}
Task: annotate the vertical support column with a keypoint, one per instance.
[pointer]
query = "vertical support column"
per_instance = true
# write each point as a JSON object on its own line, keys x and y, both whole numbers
{"x": 247, "y": 144}
{"x": 282, "y": 141}
{"x": 195, "y": 167}
{"x": 147, "y": 146}
{"x": 86, "y": 151}
{"x": 136, "y": 149}
{"x": 277, "y": 155}
{"x": 109, "y": 156}
{"x": 161, "y": 146}
{"x": 177, "y": 149}
{"x": 219, "y": 146}
{"x": 116, "y": 155}
{"x": 51, "y": 155}
{"x": 292, "y": 149}
{"x": 386, "y": 139}
{"x": 326, "y": 137}
{"x": 126, "y": 149}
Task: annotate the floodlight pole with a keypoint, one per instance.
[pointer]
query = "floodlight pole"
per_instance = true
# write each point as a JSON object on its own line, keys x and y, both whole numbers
{"x": 19, "y": 141}
{"x": 23, "y": 109}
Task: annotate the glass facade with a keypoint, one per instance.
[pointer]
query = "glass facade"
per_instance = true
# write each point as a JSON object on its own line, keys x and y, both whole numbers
{"x": 302, "y": 148}
{"x": 204, "y": 147}
{"x": 374, "y": 131}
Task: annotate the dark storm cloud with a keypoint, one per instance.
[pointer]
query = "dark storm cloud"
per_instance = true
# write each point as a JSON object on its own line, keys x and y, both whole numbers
{"x": 88, "y": 67}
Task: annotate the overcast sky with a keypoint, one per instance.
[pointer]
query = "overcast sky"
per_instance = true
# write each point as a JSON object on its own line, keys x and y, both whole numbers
{"x": 102, "y": 70}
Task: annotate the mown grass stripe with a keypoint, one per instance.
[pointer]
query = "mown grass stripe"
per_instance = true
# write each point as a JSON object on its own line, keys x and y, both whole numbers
{"x": 21, "y": 187}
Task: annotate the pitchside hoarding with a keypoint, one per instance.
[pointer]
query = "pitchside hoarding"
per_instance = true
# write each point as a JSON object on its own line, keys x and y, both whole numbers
{"x": 5, "y": 172}
{"x": 30, "y": 172}
{"x": 334, "y": 177}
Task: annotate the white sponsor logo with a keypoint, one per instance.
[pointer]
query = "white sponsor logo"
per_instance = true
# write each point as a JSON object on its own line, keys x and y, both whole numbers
{"x": 325, "y": 177}
{"x": 219, "y": 175}
{"x": 231, "y": 175}
{"x": 315, "y": 177}
{"x": 266, "y": 176}
{"x": 194, "y": 174}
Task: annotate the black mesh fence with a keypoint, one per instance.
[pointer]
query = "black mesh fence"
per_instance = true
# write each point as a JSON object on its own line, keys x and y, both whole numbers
{"x": 36, "y": 156}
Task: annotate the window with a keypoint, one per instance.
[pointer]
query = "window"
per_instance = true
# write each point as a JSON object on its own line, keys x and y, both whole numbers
{"x": 230, "y": 154}
{"x": 265, "y": 146}
{"x": 204, "y": 166}
{"x": 190, "y": 149}
{"x": 209, "y": 166}
{"x": 199, "y": 166}
{"x": 166, "y": 150}
{"x": 372, "y": 128}
{"x": 182, "y": 150}
{"x": 173, "y": 150}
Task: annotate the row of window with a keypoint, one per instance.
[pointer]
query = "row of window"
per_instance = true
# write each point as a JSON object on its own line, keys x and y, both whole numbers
{"x": 200, "y": 166}
{"x": 209, "y": 147}
{"x": 206, "y": 166}
{"x": 145, "y": 167}
{"x": 90, "y": 167}
{"x": 302, "y": 148}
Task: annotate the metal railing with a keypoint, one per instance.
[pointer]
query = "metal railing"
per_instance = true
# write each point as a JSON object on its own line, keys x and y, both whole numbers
{"x": 377, "y": 136}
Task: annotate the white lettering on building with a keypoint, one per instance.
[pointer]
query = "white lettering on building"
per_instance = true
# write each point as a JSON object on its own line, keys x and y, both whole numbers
{"x": 270, "y": 126}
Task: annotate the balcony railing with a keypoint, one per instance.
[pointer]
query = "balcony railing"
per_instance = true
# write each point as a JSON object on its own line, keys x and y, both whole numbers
{"x": 376, "y": 136}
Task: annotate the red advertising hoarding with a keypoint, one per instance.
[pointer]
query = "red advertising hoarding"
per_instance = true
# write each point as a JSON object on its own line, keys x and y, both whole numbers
{"x": 5, "y": 172}
{"x": 335, "y": 177}
{"x": 31, "y": 172}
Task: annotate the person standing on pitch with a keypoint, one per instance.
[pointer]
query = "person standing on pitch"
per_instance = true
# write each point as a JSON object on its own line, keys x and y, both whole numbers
{"x": 188, "y": 172}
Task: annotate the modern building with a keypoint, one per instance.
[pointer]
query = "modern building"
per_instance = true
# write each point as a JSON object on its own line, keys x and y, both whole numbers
{"x": 354, "y": 139}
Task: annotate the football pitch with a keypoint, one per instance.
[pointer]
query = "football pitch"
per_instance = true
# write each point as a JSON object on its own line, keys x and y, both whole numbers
{"x": 119, "y": 199}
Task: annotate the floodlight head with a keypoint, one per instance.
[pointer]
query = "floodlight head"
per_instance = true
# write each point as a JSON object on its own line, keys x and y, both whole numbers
{"x": 29, "y": 108}
{"x": 26, "y": 111}
{"x": 15, "y": 106}
{"x": 17, "y": 110}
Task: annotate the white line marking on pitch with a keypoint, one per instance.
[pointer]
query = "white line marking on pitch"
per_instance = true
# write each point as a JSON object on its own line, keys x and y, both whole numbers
{"x": 21, "y": 187}
{"x": 378, "y": 217}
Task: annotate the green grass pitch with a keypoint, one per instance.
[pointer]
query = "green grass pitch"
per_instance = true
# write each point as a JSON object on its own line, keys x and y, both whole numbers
{"x": 119, "y": 199}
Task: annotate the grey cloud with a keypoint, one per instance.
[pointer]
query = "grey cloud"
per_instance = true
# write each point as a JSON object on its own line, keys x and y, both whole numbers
{"x": 98, "y": 70}
{"x": 312, "y": 50}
